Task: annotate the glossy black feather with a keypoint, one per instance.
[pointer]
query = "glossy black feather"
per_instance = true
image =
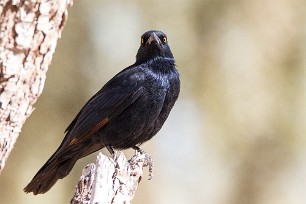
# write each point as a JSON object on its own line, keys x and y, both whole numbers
{"x": 127, "y": 111}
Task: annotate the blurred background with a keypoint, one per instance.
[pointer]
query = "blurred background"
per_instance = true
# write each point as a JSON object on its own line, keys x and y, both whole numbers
{"x": 236, "y": 134}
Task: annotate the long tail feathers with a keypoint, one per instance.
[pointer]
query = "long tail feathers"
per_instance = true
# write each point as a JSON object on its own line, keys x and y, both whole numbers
{"x": 47, "y": 176}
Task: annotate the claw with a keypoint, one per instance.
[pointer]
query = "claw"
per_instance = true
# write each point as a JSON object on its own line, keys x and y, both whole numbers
{"x": 148, "y": 160}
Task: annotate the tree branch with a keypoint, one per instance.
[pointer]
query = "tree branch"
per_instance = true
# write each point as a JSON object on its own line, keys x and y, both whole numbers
{"x": 112, "y": 181}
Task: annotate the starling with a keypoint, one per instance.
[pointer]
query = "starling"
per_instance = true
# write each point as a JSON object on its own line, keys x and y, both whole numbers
{"x": 126, "y": 112}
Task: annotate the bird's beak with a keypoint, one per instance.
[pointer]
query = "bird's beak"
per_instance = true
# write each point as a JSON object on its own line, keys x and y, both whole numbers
{"x": 154, "y": 38}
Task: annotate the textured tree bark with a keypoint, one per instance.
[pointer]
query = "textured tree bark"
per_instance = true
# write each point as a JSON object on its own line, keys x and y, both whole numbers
{"x": 29, "y": 30}
{"x": 111, "y": 181}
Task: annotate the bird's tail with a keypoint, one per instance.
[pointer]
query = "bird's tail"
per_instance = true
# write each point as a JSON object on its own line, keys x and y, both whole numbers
{"x": 55, "y": 168}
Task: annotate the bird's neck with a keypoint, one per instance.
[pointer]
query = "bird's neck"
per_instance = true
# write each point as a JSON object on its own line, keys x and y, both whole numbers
{"x": 161, "y": 60}
{"x": 161, "y": 64}
{"x": 154, "y": 60}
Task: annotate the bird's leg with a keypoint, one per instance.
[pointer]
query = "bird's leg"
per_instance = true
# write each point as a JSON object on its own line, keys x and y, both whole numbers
{"x": 108, "y": 147}
{"x": 137, "y": 148}
{"x": 111, "y": 151}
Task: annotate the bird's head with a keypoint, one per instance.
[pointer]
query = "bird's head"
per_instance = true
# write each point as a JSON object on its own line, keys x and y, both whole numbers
{"x": 153, "y": 44}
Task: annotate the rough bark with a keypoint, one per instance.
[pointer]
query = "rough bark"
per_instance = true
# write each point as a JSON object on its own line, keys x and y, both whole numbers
{"x": 111, "y": 181}
{"x": 29, "y": 30}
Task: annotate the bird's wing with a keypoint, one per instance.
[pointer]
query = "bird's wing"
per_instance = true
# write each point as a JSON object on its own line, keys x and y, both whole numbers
{"x": 118, "y": 94}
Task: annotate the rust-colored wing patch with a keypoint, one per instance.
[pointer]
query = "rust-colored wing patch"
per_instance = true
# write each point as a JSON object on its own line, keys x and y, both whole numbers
{"x": 73, "y": 141}
{"x": 100, "y": 124}
{"x": 97, "y": 127}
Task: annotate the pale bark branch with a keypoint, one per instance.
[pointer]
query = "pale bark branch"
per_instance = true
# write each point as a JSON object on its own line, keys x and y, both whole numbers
{"x": 29, "y": 30}
{"x": 111, "y": 181}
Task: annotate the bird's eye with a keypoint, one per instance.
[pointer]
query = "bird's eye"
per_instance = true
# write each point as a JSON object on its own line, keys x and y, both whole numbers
{"x": 164, "y": 39}
{"x": 142, "y": 41}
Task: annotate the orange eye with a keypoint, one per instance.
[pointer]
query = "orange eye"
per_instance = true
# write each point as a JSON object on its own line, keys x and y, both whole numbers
{"x": 142, "y": 41}
{"x": 164, "y": 39}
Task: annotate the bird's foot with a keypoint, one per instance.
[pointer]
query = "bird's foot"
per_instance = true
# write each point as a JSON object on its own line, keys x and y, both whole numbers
{"x": 148, "y": 161}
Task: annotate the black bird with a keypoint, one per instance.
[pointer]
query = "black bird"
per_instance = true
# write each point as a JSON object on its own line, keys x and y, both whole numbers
{"x": 127, "y": 111}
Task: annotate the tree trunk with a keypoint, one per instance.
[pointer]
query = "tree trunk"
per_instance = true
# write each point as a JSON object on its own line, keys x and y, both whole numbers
{"x": 29, "y": 30}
